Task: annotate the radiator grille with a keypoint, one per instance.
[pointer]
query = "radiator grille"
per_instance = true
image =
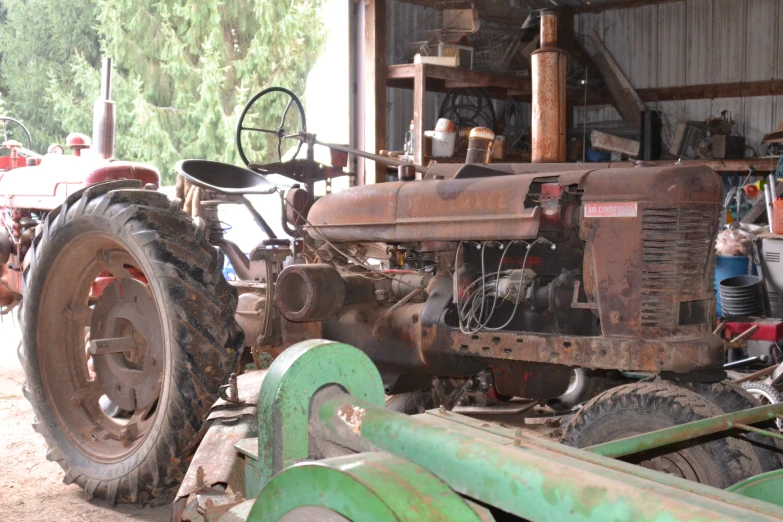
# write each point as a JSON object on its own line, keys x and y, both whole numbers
{"x": 678, "y": 261}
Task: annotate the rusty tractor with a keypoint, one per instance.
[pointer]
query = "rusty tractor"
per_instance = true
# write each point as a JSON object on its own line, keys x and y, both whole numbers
{"x": 471, "y": 286}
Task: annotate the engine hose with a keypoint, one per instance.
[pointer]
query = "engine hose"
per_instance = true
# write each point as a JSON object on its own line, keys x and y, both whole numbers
{"x": 385, "y": 317}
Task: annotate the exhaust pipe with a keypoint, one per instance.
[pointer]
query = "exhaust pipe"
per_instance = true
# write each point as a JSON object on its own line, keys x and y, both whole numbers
{"x": 103, "y": 116}
{"x": 548, "y": 127}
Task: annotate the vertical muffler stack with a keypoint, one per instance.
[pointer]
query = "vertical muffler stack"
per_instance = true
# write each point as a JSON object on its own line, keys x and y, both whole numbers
{"x": 549, "y": 95}
{"x": 103, "y": 116}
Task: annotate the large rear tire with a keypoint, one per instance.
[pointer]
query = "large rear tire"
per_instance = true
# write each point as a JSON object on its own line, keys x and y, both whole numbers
{"x": 166, "y": 297}
{"x": 643, "y": 407}
{"x": 732, "y": 398}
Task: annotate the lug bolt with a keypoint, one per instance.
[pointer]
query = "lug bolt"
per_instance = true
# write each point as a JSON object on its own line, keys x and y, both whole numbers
{"x": 233, "y": 389}
{"x": 442, "y": 410}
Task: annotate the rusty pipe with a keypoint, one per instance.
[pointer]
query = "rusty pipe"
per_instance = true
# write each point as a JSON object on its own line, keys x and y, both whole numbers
{"x": 548, "y": 29}
{"x": 103, "y": 116}
{"x": 548, "y": 64}
{"x": 370, "y": 156}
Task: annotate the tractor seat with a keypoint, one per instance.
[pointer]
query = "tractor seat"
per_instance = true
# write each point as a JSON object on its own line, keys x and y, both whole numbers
{"x": 225, "y": 178}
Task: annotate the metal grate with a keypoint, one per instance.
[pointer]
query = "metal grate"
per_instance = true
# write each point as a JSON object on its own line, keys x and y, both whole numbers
{"x": 677, "y": 261}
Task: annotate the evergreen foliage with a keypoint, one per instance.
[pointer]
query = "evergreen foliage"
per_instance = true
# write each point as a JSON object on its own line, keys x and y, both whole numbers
{"x": 183, "y": 68}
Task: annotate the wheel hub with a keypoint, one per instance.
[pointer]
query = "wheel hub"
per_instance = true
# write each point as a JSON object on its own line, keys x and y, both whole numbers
{"x": 127, "y": 344}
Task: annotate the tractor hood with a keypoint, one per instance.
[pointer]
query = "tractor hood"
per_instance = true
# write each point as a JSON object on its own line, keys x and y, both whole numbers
{"x": 45, "y": 186}
{"x": 480, "y": 203}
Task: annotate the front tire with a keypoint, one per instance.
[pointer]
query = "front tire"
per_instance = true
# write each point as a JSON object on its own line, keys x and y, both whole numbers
{"x": 167, "y": 297}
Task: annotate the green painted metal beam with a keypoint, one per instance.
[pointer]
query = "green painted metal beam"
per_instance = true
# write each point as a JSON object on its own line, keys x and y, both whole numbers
{"x": 284, "y": 401}
{"x": 664, "y": 437}
{"x": 434, "y": 418}
{"x": 530, "y": 481}
{"x": 376, "y": 487}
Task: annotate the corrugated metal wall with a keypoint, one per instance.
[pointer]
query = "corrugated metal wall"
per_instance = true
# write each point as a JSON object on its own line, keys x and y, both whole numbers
{"x": 695, "y": 42}
{"x": 690, "y": 42}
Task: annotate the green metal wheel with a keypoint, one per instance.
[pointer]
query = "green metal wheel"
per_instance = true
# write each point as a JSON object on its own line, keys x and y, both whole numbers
{"x": 357, "y": 488}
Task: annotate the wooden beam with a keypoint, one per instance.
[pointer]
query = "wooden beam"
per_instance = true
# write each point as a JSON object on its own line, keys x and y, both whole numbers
{"x": 397, "y": 73}
{"x": 497, "y": 12}
{"x": 419, "y": 110}
{"x": 618, "y": 4}
{"x": 710, "y": 91}
{"x": 625, "y": 97}
{"x": 695, "y": 92}
{"x": 374, "y": 87}
{"x": 609, "y": 143}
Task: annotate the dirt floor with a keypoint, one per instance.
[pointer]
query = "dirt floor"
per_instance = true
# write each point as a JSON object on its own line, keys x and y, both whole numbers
{"x": 31, "y": 488}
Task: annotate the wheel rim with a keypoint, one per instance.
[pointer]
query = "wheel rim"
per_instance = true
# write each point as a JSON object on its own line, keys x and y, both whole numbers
{"x": 677, "y": 463}
{"x": 672, "y": 464}
{"x": 765, "y": 398}
{"x": 67, "y": 311}
{"x": 573, "y": 382}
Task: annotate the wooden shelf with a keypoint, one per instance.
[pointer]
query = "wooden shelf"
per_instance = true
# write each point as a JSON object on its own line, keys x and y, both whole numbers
{"x": 422, "y": 77}
{"x": 440, "y": 78}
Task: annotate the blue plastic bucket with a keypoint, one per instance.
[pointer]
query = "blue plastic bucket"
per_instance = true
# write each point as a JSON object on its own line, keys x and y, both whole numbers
{"x": 728, "y": 266}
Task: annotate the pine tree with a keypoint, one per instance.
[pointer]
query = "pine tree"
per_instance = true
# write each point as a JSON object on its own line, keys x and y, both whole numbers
{"x": 38, "y": 40}
{"x": 183, "y": 71}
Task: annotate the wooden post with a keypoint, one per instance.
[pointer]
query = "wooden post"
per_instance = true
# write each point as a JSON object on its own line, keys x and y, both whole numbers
{"x": 566, "y": 40}
{"x": 419, "y": 107}
{"x": 374, "y": 86}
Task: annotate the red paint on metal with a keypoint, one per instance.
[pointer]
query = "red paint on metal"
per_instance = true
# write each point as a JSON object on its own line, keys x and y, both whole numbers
{"x": 105, "y": 278}
{"x": 123, "y": 170}
{"x": 611, "y": 210}
{"x": 769, "y": 329}
{"x": 532, "y": 261}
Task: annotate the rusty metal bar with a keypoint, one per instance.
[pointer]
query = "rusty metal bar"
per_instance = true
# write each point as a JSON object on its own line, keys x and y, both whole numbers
{"x": 112, "y": 345}
{"x": 683, "y": 432}
{"x": 758, "y": 430}
{"x": 368, "y": 155}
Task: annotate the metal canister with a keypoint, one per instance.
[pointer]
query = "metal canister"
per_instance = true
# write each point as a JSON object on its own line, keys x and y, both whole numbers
{"x": 480, "y": 145}
{"x": 406, "y": 173}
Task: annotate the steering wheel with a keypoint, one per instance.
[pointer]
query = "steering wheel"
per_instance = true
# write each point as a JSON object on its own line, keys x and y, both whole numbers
{"x": 281, "y": 132}
{"x": 10, "y": 122}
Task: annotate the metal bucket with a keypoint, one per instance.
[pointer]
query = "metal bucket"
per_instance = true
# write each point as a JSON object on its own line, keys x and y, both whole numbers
{"x": 742, "y": 296}
{"x": 727, "y": 266}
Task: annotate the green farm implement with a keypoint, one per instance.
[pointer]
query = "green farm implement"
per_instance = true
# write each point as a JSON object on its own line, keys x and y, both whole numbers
{"x": 310, "y": 439}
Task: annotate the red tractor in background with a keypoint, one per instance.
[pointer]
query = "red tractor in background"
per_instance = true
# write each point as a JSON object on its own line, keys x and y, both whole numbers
{"x": 32, "y": 185}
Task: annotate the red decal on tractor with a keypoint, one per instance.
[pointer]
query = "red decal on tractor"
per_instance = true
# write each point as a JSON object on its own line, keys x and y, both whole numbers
{"x": 611, "y": 210}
